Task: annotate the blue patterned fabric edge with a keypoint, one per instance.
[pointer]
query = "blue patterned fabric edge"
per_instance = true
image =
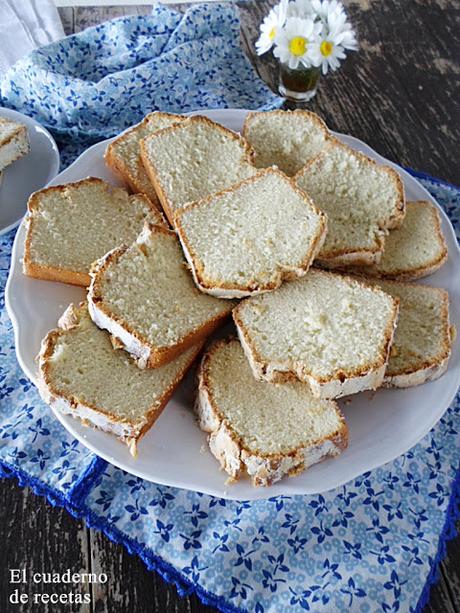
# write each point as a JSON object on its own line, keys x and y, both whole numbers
{"x": 171, "y": 575}
{"x": 83, "y": 485}
{"x": 424, "y": 175}
{"x": 448, "y": 533}
{"x": 449, "y": 530}
{"x": 166, "y": 571}
{"x": 75, "y": 505}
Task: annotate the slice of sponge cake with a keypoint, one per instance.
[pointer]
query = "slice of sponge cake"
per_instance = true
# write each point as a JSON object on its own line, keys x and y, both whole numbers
{"x": 287, "y": 139}
{"x": 193, "y": 160}
{"x": 416, "y": 249}
{"x": 265, "y": 430}
{"x": 70, "y": 226}
{"x": 423, "y": 339}
{"x": 362, "y": 201}
{"x": 82, "y": 375}
{"x": 124, "y": 157}
{"x": 145, "y": 296}
{"x": 330, "y": 331}
{"x": 247, "y": 239}
{"x": 14, "y": 142}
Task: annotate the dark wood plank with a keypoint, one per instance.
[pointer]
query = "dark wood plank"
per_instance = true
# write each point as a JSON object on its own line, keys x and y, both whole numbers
{"x": 132, "y": 587}
{"x": 76, "y": 19}
{"x": 39, "y": 538}
{"x": 91, "y": 16}
{"x": 399, "y": 92}
{"x": 450, "y": 568}
{"x": 441, "y": 597}
{"x": 252, "y": 14}
{"x": 67, "y": 15}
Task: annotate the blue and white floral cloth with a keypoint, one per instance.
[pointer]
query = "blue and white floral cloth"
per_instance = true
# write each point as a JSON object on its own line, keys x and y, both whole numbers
{"x": 371, "y": 545}
{"x": 95, "y": 84}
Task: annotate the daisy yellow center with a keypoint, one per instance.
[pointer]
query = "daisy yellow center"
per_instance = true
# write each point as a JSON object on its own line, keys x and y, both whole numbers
{"x": 326, "y": 48}
{"x": 298, "y": 45}
{"x": 271, "y": 34}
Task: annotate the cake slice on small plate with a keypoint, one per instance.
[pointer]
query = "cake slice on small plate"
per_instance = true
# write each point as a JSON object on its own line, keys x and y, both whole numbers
{"x": 14, "y": 142}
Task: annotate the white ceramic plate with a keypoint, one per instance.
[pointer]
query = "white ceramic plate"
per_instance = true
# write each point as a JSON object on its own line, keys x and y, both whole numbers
{"x": 26, "y": 175}
{"x": 382, "y": 425}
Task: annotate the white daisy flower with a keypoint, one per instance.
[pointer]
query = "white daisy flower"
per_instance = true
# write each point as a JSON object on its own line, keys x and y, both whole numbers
{"x": 324, "y": 8}
{"x": 300, "y": 8}
{"x": 337, "y": 35}
{"x": 339, "y": 29}
{"x": 270, "y": 27}
{"x": 327, "y": 54}
{"x": 349, "y": 40}
{"x": 294, "y": 42}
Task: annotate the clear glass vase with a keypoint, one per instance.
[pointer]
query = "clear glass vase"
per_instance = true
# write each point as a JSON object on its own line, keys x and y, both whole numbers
{"x": 298, "y": 84}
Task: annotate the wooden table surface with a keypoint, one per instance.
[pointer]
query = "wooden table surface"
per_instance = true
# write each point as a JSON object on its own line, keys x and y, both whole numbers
{"x": 399, "y": 94}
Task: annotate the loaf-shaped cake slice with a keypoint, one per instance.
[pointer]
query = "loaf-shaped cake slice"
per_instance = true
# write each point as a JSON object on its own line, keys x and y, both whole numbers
{"x": 70, "y": 226}
{"x": 416, "y": 249}
{"x": 124, "y": 157}
{"x": 287, "y": 139}
{"x": 267, "y": 431}
{"x": 145, "y": 297}
{"x": 362, "y": 201}
{"x": 193, "y": 160}
{"x": 82, "y": 375}
{"x": 423, "y": 339}
{"x": 331, "y": 331}
{"x": 246, "y": 240}
{"x": 14, "y": 142}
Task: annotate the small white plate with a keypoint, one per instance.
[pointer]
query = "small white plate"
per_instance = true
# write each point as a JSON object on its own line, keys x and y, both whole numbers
{"x": 29, "y": 173}
{"x": 382, "y": 425}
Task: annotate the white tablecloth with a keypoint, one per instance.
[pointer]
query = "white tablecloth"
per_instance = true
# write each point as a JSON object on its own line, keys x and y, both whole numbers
{"x": 25, "y": 25}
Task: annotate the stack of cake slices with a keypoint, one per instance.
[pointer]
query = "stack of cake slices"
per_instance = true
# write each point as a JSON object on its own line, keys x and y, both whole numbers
{"x": 305, "y": 243}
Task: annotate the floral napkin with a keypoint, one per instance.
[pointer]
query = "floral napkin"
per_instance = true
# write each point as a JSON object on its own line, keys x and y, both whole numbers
{"x": 373, "y": 544}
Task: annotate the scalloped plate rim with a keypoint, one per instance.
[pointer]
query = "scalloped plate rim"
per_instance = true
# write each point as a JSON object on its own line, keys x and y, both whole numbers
{"x": 243, "y": 489}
